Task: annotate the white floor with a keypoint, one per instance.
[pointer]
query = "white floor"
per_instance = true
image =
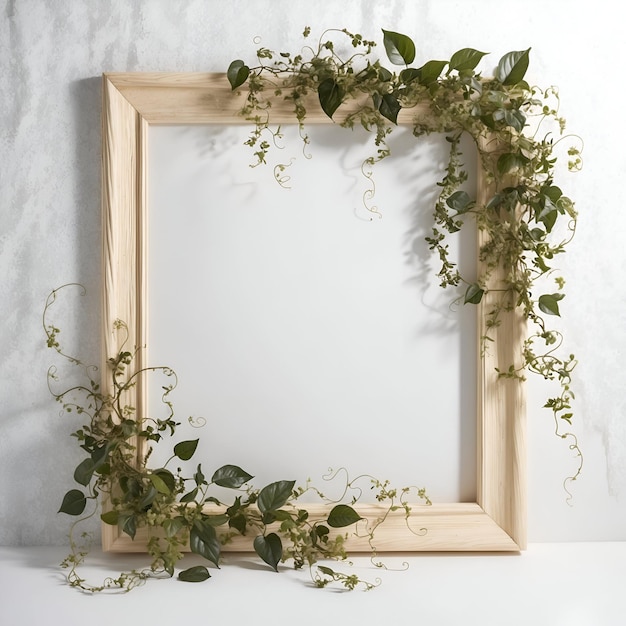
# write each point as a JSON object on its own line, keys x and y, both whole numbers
{"x": 549, "y": 584}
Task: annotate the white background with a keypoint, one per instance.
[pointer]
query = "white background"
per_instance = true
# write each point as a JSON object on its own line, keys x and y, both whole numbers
{"x": 308, "y": 331}
{"x": 51, "y": 58}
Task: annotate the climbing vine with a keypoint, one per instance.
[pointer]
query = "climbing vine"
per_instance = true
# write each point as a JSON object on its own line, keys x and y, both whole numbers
{"x": 518, "y": 132}
{"x": 527, "y": 222}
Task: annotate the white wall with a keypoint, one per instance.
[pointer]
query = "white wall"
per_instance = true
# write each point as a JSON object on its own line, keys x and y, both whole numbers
{"x": 51, "y": 56}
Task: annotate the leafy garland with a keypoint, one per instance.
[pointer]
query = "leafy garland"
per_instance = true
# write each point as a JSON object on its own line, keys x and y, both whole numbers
{"x": 525, "y": 216}
{"x": 179, "y": 509}
{"x": 519, "y": 220}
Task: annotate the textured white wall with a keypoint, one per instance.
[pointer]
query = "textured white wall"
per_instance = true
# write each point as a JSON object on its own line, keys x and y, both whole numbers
{"x": 51, "y": 57}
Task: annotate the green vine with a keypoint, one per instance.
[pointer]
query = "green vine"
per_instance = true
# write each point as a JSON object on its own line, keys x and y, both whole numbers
{"x": 527, "y": 222}
{"x": 177, "y": 507}
{"x": 517, "y": 130}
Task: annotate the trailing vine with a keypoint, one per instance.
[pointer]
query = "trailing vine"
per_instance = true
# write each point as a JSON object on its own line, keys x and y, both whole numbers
{"x": 527, "y": 222}
{"x": 517, "y": 131}
{"x": 178, "y": 507}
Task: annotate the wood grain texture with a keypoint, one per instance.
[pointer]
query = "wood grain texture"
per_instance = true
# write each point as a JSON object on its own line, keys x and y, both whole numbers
{"x": 133, "y": 102}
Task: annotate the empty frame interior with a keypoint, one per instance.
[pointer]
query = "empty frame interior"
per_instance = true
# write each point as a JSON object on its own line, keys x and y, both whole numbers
{"x": 135, "y": 102}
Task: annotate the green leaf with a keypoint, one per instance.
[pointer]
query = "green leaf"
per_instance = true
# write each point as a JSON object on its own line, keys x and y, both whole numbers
{"x": 74, "y": 502}
{"x": 390, "y": 107}
{"x": 515, "y": 118}
{"x": 512, "y": 67}
{"x": 274, "y": 495}
{"x": 199, "y": 476}
{"x": 99, "y": 455}
{"x": 342, "y": 515}
{"x": 460, "y": 202}
{"x": 331, "y": 95}
{"x": 111, "y": 518}
{"x": 384, "y": 75}
{"x": 465, "y": 59}
{"x": 185, "y": 449}
{"x": 128, "y": 523}
{"x": 549, "y": 303}
{"x": 537, "y": 234}
{"x": 196, "y": 574}
{"x": 269, "y": 517}
{"x": 148, "y": 497}
{"x": 216, "y": 520}
{"x": 237, "y": 73}
{"x": 203, "y": 541}
{"x": 553, "y": 192}
{"x": 409, "y": 74}
{"x": 173, "y": 525}
{"x": 400, "y": 48}
{"x": 281, "y": 516}
{"x": 235, "y": 507}
{"x": 130, "y": 486}
{"x": 510, "y": 161}
{"x": 190, "y": 496}
{"x": 269, "y": 548}
{"x": 230, "y": 476}
{"x": 159, "y": 484}
{"x": 474, "y": 294}
{"x": 238, "y": 522}
{"x": 430, "y": 72}
{"x": 321, "y": 530}
{"x": 167, "y": 477}
{"x": 84, "y": 472}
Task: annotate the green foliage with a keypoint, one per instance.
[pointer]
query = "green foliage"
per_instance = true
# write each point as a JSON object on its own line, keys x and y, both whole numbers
{"x": 185, "y": 449}
{"x": 518, "y": 221}
{"x": 343, "y": 515}
{"x": 230, "y": 476}
{"x": 176, "y": 508}
{"x": 517, "y": 131}
{"x": 400, "y": 48}
{"x": 270, "y": 549}
{"x": 196, "y": 574}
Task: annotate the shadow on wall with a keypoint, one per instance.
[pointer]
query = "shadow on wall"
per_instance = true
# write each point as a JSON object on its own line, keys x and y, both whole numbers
{"x": 86, "y": 110}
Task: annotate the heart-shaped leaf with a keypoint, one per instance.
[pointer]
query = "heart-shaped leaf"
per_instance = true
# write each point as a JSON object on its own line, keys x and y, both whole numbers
{"x": 549, "y": 303}
{"x": 474, "y": 294}
{"x": 203, "y": 541}
{"x": 270, "y": 549}
{"x": 390, "y": 107}
{"x": 237, "y": 73}
{"x": 460, "y": 202}
{"x": 74, "y": 502}
{"x": 185, "y": 449}
{"x": 400, "y": 48}
{"x": 84, "y": 472}
{"x": 331, "y": 95}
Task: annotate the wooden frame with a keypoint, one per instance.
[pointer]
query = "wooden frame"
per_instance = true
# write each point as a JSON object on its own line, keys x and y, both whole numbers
{"x": 133, "y": 102}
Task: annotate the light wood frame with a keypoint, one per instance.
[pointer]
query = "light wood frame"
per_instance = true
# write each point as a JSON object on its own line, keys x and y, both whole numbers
{"x": 134, "y": 102}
